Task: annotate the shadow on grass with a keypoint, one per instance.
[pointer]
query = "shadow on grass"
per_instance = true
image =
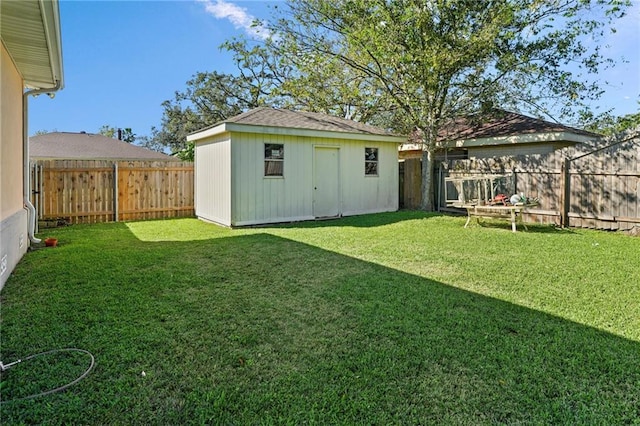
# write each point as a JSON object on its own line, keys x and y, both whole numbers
{"x": 505, "y": 224}
{"x": 381, "y": 219}
{"x": 360, "y": 221}
{"x": 261, "y": 329}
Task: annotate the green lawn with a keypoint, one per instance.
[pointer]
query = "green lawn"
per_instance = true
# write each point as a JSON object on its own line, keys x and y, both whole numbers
{"x": 401, "y": 318}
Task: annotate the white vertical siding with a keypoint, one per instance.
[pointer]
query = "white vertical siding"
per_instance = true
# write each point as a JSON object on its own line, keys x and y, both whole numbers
{"x": 258, "y": 199}
{"x": 213, "y": 184}
{"x": 369, "y": 194}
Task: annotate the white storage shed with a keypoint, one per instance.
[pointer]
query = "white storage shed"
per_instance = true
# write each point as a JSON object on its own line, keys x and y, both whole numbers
{"x": 270, "y": 165}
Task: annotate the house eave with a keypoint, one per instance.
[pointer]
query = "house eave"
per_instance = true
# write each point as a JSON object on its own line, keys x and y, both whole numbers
{"x": 30, "y": 32}
{"x": 292, "y": 131}
{"x": 564, "y": 137}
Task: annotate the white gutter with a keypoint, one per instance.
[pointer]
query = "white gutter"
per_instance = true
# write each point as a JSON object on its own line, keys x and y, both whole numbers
{"x": 26, "y": 171}
{"x": 292, "y": 131}
{"x": 51, "y": 23}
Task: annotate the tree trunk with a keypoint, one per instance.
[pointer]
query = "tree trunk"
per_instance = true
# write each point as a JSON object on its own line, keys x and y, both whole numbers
{"x": 427, "y": 180}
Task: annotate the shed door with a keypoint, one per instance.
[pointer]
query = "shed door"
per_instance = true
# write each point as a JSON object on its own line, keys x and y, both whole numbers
{"x": 326, "y": 182}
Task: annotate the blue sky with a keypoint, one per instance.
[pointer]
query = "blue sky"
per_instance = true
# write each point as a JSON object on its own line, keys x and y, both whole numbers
{"x": 122, "y": 59}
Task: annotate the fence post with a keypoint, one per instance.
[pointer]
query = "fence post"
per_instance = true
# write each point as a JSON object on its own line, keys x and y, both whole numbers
{"x": 35, "y": 191}
{"x": 439, "y": 189}
{"x": 115, "y": 191}
{"x": 566, "y": 197}
{"x": 41, "y": 190}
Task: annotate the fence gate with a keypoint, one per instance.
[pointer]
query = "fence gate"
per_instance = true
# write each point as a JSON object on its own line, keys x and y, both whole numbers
{"x": 36, "y": 187}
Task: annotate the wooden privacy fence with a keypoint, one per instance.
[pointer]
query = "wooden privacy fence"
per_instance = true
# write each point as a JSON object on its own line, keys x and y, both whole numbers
{"x": 83, "y": 191}
{"x": 537, "y": 176}
{"x": 410, "y": 183}
{"x": 601, "y": 190}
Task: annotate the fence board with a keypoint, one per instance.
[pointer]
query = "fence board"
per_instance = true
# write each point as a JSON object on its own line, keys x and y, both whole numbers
{"x": 412, "y": 183}
{"x": 605, "y": 186}
{"x": 82, "y": 191}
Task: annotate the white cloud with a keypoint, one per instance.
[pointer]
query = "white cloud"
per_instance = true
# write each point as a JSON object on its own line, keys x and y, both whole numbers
{"x": 238, "y": 16}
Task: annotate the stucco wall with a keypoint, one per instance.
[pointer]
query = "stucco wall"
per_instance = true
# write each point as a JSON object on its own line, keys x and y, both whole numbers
{"x": 10, "y": 137}
{"x": 13, "y": 218}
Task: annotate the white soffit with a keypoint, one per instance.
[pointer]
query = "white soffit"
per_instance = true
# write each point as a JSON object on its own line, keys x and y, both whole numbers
{"x": 30, "y": 31}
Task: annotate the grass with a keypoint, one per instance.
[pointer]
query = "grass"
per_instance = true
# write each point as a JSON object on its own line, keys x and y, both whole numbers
{"x": 401, "y": 318}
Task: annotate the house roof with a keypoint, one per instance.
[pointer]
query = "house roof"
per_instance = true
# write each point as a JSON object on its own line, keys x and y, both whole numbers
{"x": 89, "y": 146}
{"x": 504, "y": 128}
{"x": 501, "y": 124}
{"x": 30, "y": 30}
{"x": 281, "y": 121}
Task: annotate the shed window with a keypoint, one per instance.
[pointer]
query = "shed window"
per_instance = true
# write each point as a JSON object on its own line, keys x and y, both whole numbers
{"x": 371, "y": 161}
{"x": 273, "y": 159}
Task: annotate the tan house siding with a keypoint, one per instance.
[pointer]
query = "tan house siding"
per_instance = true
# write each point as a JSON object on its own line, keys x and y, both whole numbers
{"x": 11, "y": 134}
{"x": 13, "y": 218}
{"x": 510, "y": 150}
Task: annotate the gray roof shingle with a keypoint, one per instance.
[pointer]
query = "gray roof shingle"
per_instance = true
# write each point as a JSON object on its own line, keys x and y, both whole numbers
{"x": 271, "y": 117}
{"x": 503, "y": 123}
{"x": 89, "y": 146}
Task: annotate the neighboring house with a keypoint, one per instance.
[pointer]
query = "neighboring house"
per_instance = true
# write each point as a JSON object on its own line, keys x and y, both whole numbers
{"x": 89, "y": 146}
{"x": 270, "y": 165}
{"x": 31, "y": 60}
{"x": 505, "y": 134}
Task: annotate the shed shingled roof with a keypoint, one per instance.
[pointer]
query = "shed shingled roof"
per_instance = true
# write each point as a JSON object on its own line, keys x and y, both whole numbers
{"x": 89, "y": 146}
{"x": 271, "y": 117}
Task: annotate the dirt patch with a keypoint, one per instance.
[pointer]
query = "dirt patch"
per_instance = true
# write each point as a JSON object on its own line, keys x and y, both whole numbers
{"x": 633, "y": 232}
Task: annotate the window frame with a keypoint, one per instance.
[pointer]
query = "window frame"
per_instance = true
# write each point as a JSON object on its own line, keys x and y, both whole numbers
{"x": 376, "y": 161}
{"x": 271, "y": 159}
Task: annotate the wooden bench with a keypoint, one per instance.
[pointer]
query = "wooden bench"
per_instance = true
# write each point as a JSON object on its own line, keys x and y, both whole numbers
{"x": 513, "y": 213}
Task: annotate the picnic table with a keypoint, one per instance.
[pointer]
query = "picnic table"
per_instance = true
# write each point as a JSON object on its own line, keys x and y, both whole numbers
{"x": 511, "y": 212}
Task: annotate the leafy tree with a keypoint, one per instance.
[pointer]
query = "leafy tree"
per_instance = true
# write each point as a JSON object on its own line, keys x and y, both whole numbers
{"x": 306, "y": 82}
{"x": 629, "y": 121}
{"x": 263, "y": 78}
{"x": 609, "y": 125}
{"x": 188, "y": 153}
{"x": 211, "y": 97}
{"x": 325, "y": 85}
{"x": 150, "y": 143}
{"x": 108, "y": 131}
{"x": 43, "y": 132}
{"x": 207, "y": 99}
{"x": 436, "y": 60}
{"x": 126, "y": 134}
